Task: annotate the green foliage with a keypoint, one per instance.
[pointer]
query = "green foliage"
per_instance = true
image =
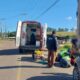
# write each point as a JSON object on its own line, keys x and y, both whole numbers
{"x": 60, "y": 29}
{"x": 66, "y": 46}
{"x": 63, "y": 29}
{"x": 11, "y": 34}
{"x": 50, "y": 29}
{"x": 0, "y": 34}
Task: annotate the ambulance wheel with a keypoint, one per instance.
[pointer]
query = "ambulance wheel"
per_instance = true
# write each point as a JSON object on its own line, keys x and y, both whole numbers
{"x": 76, "y": 74}
{"x": 20, "y": 50}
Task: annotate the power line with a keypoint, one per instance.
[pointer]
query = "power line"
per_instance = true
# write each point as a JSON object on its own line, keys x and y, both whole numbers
{"x": 34, "y": 8}
{"x": 13, "y": 17}
{"x": 48, "y": 9}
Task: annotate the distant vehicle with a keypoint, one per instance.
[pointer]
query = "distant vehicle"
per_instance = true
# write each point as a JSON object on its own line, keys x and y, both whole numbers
{"x": 24, "y": 31}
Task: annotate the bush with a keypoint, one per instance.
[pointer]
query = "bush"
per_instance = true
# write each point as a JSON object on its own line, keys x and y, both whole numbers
{"x": 67, "y": 46}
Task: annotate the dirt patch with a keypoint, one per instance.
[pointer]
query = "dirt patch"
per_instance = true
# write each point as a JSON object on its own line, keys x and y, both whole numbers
{"x": 7, "y": 44}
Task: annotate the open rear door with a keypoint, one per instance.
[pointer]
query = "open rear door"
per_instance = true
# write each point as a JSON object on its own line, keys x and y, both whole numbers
{"x": 18, "y": 34}
{"x": 44, "y": 35}
{"x": 23, "y": 34}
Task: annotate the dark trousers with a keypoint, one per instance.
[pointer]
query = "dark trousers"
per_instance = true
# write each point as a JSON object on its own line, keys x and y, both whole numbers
{"x": 50, "y": 58}
{"x": 33, "y": 53}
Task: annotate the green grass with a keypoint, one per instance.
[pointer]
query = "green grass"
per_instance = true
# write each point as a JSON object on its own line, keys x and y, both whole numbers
{"x": 64, "y": 33}
{"x": 65, "y": 44}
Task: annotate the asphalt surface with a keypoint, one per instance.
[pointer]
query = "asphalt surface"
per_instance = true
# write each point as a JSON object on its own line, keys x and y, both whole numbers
{"x": 15, "y": 66}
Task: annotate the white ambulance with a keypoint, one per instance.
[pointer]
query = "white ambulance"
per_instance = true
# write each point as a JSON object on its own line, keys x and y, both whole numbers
{"x": 24, "y": 31}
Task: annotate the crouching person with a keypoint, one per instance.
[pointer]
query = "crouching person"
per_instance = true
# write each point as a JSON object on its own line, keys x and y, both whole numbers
{"x": 64, "y": 58}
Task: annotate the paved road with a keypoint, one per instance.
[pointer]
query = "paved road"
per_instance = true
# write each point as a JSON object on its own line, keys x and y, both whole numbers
{"x": 14, "y": 66}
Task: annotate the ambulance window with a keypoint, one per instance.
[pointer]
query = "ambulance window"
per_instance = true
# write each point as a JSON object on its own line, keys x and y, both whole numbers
{"x": 33, "y": 30}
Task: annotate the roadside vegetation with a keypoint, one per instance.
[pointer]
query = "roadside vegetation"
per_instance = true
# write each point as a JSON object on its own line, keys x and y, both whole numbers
{"x": 61, "y": 32}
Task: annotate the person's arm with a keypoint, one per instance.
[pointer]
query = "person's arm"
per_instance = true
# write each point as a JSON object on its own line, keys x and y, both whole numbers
{"x": 47, "y": 43}
{"x": 56, "y": 43}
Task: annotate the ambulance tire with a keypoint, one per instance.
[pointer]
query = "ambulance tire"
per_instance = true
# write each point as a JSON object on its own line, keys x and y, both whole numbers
{"x": 21, "y": 50}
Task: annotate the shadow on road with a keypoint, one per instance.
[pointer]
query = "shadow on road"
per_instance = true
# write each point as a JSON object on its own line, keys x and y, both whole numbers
{"x": 23, "y": 66}
{"x": 54, "y": 76}
{"x": 12, "y": 52}
{"x": 29, "y": 59}
{"x": 9, "y": 52}
{"x": 26, "y": 59}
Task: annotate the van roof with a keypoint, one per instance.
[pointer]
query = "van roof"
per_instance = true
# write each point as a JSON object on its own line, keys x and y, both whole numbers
{"x": 30, "y": 22}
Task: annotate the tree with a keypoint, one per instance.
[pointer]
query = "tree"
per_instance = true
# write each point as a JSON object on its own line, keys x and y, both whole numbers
{"x": 50, "y": 29}
{"x": 72, "y": 29}
{"x": 60, "y": 29}
{"x": 66, "y": 29}
{"x": 11, "y": 34}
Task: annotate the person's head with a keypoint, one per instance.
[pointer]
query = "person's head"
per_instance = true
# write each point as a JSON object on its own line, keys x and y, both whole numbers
{"x": 53, "y": 32}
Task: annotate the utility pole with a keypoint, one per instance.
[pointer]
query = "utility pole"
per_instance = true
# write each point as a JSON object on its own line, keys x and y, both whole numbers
{"x": 1, "y": 30}
{"x": 78, "y": 24}
{"x": 3, "y": 27}
{"x": 78, "y": 19}
{"x": 5, "y": 31}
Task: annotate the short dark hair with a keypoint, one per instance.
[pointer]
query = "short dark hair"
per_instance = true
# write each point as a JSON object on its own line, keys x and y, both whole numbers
{"x": 53, "y": 32}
